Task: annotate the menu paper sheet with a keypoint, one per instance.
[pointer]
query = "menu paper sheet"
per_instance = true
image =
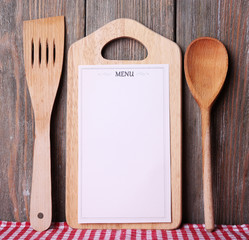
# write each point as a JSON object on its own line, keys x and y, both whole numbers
{"x": 123, "y": 144}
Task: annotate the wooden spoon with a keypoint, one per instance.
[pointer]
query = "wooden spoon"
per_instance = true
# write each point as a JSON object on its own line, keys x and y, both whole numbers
{"x": 205, "y": 65}
{"x": 43, "y": 43}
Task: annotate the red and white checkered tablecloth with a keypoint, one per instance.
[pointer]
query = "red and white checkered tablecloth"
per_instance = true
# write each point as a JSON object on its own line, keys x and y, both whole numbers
{"x": 23, "y": 230}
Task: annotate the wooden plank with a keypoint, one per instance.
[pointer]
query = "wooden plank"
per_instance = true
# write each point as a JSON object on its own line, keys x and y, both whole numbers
{"x": 159, "y": 16}
{"x": 87, "y": 51}
{"x": 228, "y": 22}
{"x": 17, "y": 122}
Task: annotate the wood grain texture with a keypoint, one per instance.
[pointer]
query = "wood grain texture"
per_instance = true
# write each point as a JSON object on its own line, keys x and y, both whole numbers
{"x": 159, "y": 16}
{"x": 205, "y": 68}
{"x": 17, "y": 121}
{"x": 228, "y": 22}
{"x": 43, "y": 47}
{"x": 87, "y": 51}
{"x": 183, "y": 21}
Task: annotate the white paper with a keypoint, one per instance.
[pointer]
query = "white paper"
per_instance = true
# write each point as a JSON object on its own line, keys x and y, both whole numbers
{"x": 124, "y": 144}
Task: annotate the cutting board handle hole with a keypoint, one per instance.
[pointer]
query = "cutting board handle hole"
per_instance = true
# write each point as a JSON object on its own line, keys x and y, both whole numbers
{"x": 124, "y": 49}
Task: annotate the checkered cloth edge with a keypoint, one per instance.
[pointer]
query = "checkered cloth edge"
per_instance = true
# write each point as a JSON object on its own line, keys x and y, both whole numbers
{"x": 23, "y": 230}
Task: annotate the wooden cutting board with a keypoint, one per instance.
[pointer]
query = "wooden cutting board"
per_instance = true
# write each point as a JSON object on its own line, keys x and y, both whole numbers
{"x": 87, "y": 51}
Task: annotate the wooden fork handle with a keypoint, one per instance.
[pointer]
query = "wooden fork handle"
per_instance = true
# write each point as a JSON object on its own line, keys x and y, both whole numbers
{"x": 40, "y": 206}
{"x": 207, "y": 171}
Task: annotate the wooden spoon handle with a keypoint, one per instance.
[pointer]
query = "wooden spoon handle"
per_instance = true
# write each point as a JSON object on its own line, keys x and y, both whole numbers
{"x": 207, "y": 171}
{"x": 40, "y": 205}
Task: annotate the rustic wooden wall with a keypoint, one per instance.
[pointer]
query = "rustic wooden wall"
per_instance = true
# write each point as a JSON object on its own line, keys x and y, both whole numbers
{"x": 227, "y": 21}
{"x": 180, "y": 21}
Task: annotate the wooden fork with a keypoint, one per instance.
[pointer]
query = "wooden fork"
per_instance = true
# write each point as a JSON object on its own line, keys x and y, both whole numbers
{"x": 43, "y": 43}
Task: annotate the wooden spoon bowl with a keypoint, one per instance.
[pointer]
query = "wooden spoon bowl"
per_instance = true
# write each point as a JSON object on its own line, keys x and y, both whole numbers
{"x": 205, "y": 65}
